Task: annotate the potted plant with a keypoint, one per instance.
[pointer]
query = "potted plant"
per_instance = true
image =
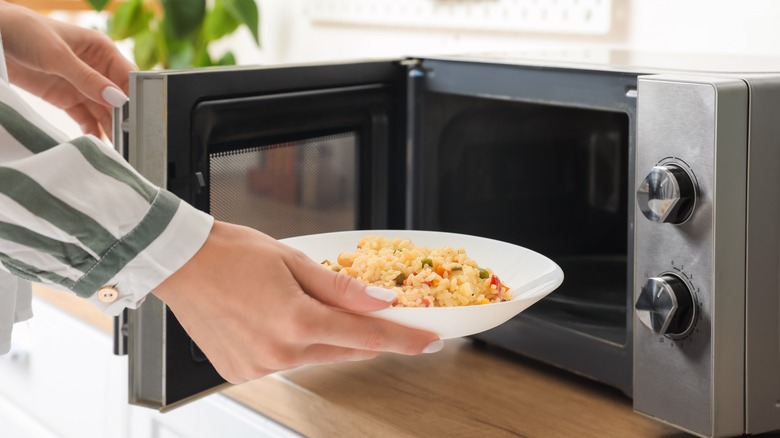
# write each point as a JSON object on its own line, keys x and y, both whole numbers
{"x": 177, "y": 33}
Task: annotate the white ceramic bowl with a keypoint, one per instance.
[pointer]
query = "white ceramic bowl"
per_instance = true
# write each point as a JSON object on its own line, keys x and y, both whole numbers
{"x": 530, "y": 276}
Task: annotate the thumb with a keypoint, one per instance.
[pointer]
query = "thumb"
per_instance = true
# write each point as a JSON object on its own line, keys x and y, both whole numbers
{"x": 91, "y": 83}
{"x": 340, "y": 290}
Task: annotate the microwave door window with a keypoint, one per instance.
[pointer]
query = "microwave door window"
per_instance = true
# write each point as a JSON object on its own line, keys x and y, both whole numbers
{"x": 287, "y": 189}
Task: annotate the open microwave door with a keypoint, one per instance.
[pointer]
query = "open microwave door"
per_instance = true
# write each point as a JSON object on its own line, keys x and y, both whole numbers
{"x": 287, "y": 150}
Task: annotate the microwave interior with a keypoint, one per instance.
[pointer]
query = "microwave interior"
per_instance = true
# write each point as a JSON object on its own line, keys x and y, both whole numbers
{"x": 553, "y": 179}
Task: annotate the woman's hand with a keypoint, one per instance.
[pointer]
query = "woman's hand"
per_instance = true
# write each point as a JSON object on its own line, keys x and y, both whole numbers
{"x": 76, "y": 69}
{"x": 256, "y": 306}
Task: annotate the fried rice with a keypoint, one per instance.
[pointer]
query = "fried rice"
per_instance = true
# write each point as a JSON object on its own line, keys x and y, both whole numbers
{"x": 421, "y": 276}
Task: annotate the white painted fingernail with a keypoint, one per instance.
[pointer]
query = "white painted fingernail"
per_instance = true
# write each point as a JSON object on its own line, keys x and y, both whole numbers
{"x": 434, "y": 347}
{"x": 381, "y": 294}
{"x": 114, "y": 96}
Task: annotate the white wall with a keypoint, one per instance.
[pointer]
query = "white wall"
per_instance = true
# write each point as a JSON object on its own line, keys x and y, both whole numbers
{"x": 746, "y": 27}
{"x": 714, "y": 26}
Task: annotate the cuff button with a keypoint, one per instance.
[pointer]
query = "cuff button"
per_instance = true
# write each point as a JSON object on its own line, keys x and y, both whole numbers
{"x": 107, "y": 294}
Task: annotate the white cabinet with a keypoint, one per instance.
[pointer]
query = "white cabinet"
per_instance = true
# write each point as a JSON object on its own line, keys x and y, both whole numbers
{"x": 61, "y": 374}
{"x": 61, "y": 380}
{"x": 18, "y": 423}
{"x": 212, "y": 416}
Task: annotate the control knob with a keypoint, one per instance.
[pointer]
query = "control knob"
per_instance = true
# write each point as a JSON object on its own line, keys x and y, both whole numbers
{"x": 665, "y": 305}
{"x": 668, "y": 194}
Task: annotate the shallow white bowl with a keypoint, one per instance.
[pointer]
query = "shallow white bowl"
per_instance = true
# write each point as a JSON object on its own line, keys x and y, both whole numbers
{"x": 529, "y": 275}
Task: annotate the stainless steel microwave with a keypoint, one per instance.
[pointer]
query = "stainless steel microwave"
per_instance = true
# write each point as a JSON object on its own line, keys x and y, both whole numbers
{"x": 652, "y": 181}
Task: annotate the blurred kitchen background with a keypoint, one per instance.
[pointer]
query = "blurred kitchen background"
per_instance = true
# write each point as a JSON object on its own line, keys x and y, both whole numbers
{"x": 295, "y": 31}
{"x": 305, "y": 31}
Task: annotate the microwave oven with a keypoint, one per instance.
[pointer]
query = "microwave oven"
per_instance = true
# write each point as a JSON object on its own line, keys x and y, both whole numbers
{"x": 651, "y": 180}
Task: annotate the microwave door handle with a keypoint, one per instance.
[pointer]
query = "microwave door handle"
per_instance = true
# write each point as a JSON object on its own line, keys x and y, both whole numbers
{"x": 120, "y": 334}
{"x": 120, "y": 128}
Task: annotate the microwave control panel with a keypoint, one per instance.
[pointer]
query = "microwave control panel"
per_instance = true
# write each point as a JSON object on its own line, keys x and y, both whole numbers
{"x": 689, "y": 291}
{"x": 666, "y": 303}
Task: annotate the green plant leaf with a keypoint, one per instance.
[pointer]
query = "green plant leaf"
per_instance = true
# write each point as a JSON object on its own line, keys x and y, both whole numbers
{"x": 218, "y": 23}
{"x": 227, "y": 59}
{"x": 202, "y": 58}
{"x": 245, "y": 11}
{"x": 184, "y": 16}
{"x": 161, "y": 42}
{"x": 180, "y": 54}
{"x": 181, "y": 35}
{"x": 98, "y": 5}
{"x": 129, "y": 18}
{"x": 145, "y": 50}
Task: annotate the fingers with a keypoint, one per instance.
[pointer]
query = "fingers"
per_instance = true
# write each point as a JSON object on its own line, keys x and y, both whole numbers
{"x": 336, "y": 289}
{"x": 85, "y": 59}
{"x": 118, "y": 71}
{"x": 356, "y": 338}
{"x": 90, "y": 116}
{"x": 88, "y": 59}
{"x": 353, "y": 330}
{"x": 75, "y": 54}
{"x": 238, "y": 371}
{"x": 364, "y": 332}
{"x": 84, "y": 118}
{"x": 100, "y": 53}
{"x": 92, "y": 84}
{"x": 102, "y": 118}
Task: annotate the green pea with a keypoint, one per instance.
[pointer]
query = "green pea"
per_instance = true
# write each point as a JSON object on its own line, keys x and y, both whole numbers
{"x": 427, "y": 261}
{"x": 483, "y": 273}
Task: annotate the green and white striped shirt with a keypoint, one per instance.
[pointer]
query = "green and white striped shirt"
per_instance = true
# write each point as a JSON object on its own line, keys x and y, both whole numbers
{"x": 75, "y": 215}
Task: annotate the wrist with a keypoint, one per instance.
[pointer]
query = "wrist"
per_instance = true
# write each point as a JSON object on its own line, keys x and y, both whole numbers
{"x": 194, "y": 270}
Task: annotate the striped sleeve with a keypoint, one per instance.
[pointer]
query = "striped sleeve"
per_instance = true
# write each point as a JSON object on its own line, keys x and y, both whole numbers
{"x": 75, "y": 215}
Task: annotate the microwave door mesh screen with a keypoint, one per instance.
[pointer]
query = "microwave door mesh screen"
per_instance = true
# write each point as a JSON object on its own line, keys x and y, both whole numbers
{"x": 287, "y": 189}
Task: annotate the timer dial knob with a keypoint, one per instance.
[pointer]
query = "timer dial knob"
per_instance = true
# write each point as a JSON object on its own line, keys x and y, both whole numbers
{"x": 665, "y": 305}
{"x": 668, "y": 194}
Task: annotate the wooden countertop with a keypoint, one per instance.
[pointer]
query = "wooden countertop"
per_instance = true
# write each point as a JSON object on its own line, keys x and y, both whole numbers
{"x": 463, "y": 391}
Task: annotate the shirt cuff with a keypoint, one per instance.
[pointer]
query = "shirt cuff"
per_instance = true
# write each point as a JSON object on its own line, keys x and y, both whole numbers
{"x": 176, "y": 245}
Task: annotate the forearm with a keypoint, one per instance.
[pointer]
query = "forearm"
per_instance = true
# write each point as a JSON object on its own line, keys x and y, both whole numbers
{"x": 75, "y": 214}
